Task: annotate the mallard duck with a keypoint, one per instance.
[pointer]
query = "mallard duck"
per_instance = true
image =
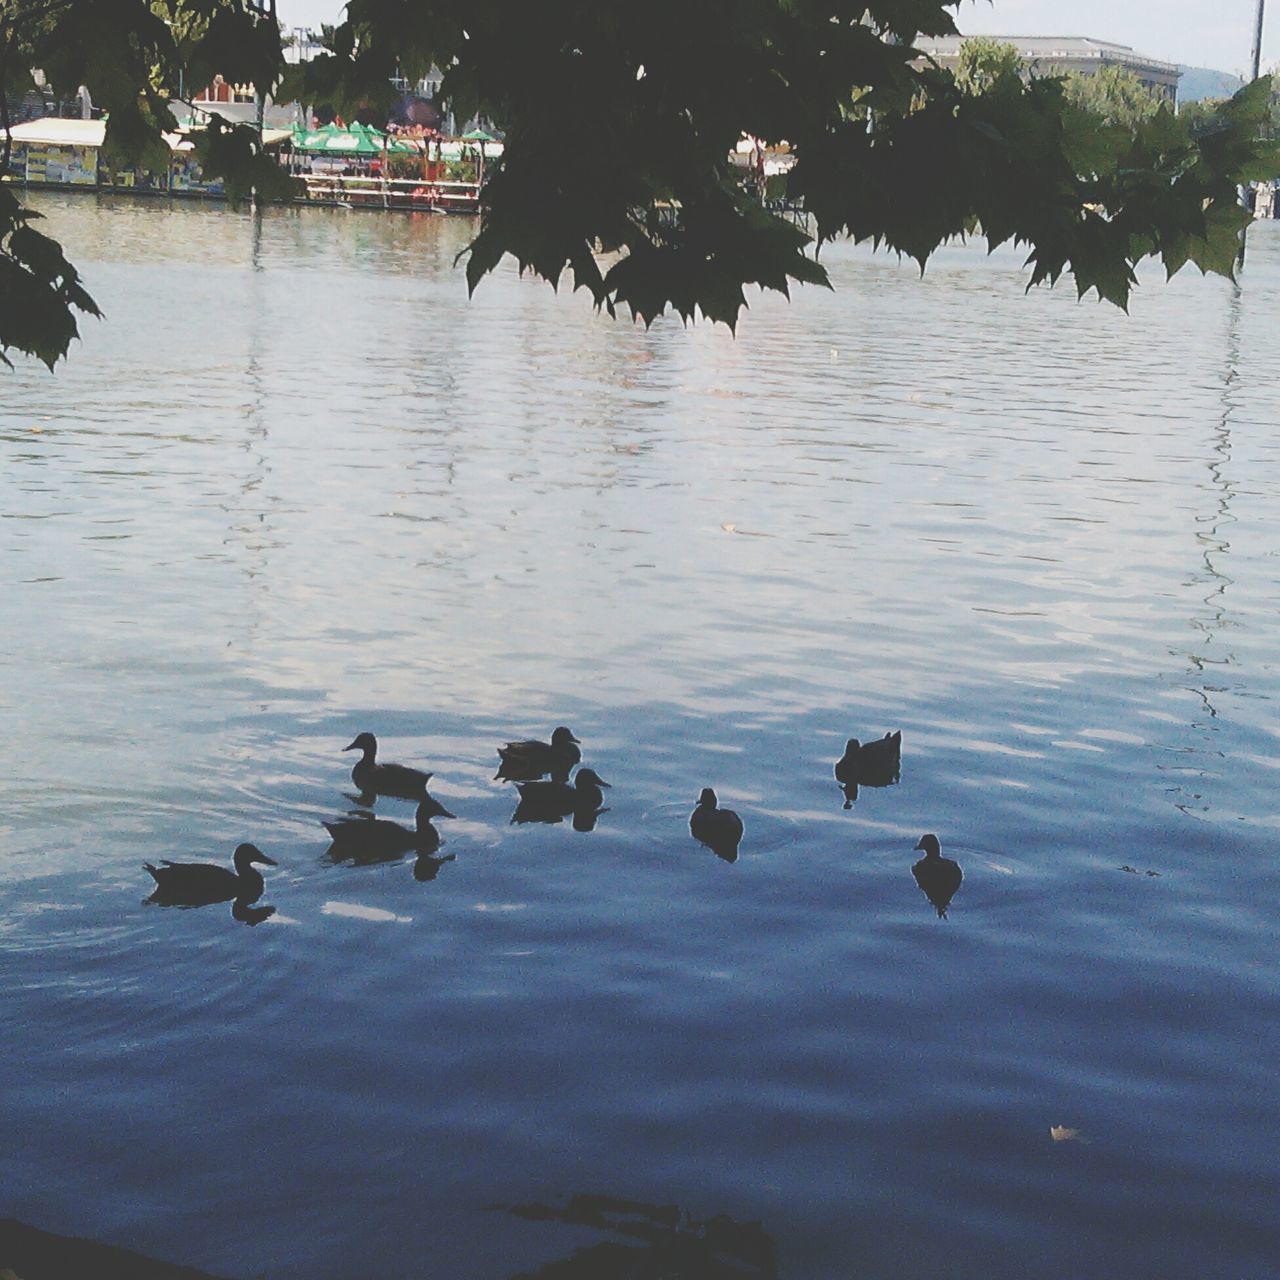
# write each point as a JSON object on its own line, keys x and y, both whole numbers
{"x": 196, "y": 884}
{"x": 938, "y": 877}
{"x": 525, "y": 761}
{"x": 384, "y": 779}
{"x": 719, "y": 829}
{"x": 874, "y": 763}
{"x": 364, "y": 839}
{"x": 552, "y": 801}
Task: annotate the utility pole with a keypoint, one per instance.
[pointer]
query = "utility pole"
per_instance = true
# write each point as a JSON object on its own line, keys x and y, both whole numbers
{"x": 263, "y": 11}
{"x": 1257, "y": 39}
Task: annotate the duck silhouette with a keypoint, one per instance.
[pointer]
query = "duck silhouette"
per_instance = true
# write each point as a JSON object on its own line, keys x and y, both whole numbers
{"x": 198, "y": 884}
{"x": 531, "y": 759}
{"x": 556, "y": 800}
{"x": 363, "y": 840}
{"x": 377, "y": 779}
{"x": 881, "y": 758}
{"x": 938, "y": 877}
{"x": 870, "y": 764}
{"x": 719, "y": 829}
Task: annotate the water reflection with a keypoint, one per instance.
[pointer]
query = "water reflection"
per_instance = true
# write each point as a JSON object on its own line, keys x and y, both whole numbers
{"x": 249, "y": 914}
{"x": 719, "y": 829}
{"x": 427, "y": 867}
{"x": 938, "y": 877}
{"x": 659, "y": 1242}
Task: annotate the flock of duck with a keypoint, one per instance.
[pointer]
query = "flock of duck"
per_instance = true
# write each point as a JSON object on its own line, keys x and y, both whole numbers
{"x": 540, "y": 772}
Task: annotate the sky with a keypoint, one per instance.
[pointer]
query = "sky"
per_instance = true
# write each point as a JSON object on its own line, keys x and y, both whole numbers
{"x": 1200, "y": 33}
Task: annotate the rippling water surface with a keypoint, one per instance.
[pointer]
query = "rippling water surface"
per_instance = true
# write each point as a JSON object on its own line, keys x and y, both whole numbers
{"x": 297, "y": 486}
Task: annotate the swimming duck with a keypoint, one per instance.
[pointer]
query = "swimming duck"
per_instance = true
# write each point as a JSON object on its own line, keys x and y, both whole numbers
{"x": 719, "y": 829}
{"x": 364, "y": 839}
{"x": 196, "y": 884}
{"x": 384, "y": 779}
{"x": 874, "y": 763}
{"x": 552, "y": 801}
{"x": 525, "y": 761}
{"x": 938, "y": 877}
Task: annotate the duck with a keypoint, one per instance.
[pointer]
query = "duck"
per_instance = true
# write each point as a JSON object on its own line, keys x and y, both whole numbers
{"x": 197, "y": 884}
{"x": 552, "y": 801}
{"x": 938, "y": 877}
{"x": 525, "y": 761}
{"x": 719, "y": 829}
{"x": 874, "y": 763}
{"x": 384, "y": 779}
{"x": 364, "y": 839}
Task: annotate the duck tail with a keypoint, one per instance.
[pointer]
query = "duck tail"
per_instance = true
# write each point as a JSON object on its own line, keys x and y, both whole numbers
{"x": 155, "y": 875}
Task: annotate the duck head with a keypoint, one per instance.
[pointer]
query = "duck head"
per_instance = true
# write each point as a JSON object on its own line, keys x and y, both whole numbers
{"x": 247, "y": 854}
{"x": 852, "y": 747}
{"x": 561, "y": 737}
{"x": 588, "y": 778}
{"x": 365, "y": 742}
{"x": 929, "y": 844}
{"x": 707, "y": 800}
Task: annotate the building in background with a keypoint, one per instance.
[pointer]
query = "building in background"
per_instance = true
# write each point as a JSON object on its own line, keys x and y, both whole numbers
{"x": 1056, "y": 55}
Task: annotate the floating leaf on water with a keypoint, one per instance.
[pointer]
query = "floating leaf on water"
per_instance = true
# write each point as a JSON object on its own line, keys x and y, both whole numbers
{"x": 729, "y": 528}
{"x": 1060, "y": 1133}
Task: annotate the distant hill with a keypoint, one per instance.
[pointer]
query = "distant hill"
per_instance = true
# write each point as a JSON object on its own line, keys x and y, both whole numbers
{"x": 1201, "y": 82}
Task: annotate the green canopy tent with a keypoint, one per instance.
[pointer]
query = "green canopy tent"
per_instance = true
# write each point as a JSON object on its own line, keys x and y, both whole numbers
{"x": 348, "y": 140}
{"x": 479, "y": 136}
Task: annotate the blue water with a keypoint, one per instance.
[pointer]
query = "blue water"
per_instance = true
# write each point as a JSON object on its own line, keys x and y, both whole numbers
{"x": 297, "y": 486}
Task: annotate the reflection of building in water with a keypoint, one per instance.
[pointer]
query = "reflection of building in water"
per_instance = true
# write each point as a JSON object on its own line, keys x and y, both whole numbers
{"x": 1058, "y": 55}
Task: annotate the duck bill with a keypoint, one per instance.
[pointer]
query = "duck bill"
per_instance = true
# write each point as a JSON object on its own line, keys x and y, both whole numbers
{"x": 353, "y": 747}
{"x": 267, "y": 862}
{"x": 920, "y": 845}
{"x": 600, "y": 782}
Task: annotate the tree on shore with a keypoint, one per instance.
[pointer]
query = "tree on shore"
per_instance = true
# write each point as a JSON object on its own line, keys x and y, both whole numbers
{"x": 1114, "y": 94}
{"x": 619, "y": 122}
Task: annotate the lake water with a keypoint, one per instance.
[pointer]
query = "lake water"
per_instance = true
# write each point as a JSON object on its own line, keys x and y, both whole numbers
{"x": 297, "y": 486}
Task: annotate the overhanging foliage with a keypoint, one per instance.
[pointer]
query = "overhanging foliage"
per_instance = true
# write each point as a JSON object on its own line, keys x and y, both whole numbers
{"x": 620, "y": 119}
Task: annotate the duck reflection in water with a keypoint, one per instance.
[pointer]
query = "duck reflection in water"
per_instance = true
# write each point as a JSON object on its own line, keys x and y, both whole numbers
{"x": 938, "y": 877}
{"x": 428, "y": 865}
{"x": 869, "y": 764}
{"x": 552, "y": 802}
{"x": 529, "y": 760}
{"x": 248, "y": 914}
{"x": 374, "y": 779}
{"x": 363, "y": 840}
{"x": 201, "y": 884}
{"x": 658, "y": 1242}
{"x": 719, "y": 829}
